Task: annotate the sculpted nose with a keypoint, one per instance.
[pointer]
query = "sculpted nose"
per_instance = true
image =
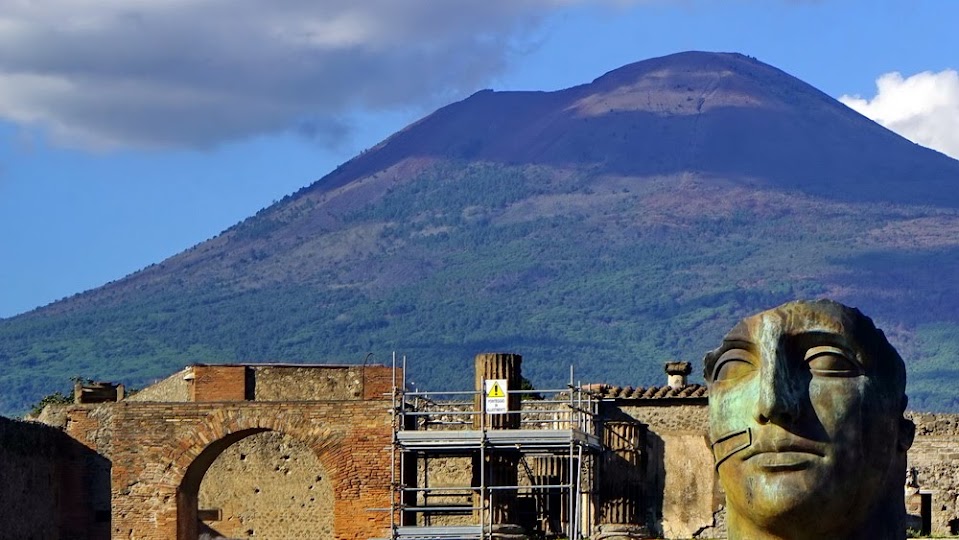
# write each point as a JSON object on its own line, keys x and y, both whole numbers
{"x": 779, "y": 400}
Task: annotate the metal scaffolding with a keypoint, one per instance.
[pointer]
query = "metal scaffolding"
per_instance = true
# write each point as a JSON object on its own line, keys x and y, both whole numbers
{"x": 552, "y": 441}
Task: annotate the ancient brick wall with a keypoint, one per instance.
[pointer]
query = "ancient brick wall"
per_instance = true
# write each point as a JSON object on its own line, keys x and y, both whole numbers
{"x": 218, "y": 383}
{"x": 378, "y": 381}
{"x": 270, "y": 382}
{"x": 314, "y": 469}
{"x": 153, "y": 445}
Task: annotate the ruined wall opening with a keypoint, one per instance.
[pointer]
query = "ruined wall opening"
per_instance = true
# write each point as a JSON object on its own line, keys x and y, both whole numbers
{"x": 256, "y": 484}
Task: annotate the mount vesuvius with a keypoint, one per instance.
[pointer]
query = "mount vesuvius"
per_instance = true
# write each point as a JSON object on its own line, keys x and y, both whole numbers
{"x": 613, "y": 226}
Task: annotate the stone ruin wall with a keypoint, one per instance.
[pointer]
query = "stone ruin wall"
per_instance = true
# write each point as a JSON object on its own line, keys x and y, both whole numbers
{"x": 30, "y": 488}
{"x": 41, "y": 468}
{"x": 50, "y": 486}
{"x": 344, "y": 443}
{"x": 295, "y": 383}
{"x": 338, "y": 418}
{"x": 269, "y": 382}
{"x": 934, "y": 458}
{"x": 268, "y": 486}
{"x": 440, "y": 472}
{"x": 171, "y": 389}
{"x": 445, "y": 471}
{"x": 669, "y": 415}
{"x": 682, "y": 492}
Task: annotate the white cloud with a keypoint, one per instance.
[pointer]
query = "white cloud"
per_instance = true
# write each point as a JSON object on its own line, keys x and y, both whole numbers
{"x": 194, "y": 73}
{"x": 923, "y": 108}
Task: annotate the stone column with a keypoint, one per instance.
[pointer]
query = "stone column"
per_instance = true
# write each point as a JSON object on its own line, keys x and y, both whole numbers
{"x": 552, "y": 504}
{"x": 502, "y": 465}
{"x": 499, "y": 366}
{"x": 621, "y": 481}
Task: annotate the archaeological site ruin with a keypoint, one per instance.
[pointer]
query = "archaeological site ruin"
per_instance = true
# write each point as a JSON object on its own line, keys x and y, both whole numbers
{"x": 287, "y": 451}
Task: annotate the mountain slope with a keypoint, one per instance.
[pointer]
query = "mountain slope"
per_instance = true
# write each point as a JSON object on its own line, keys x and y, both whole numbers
{"x": 611, "y": 225}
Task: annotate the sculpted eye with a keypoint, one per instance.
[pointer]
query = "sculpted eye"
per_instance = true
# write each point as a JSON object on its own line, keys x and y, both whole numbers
{"x": 732, "y": 365}
{"x": 829, "y": 361}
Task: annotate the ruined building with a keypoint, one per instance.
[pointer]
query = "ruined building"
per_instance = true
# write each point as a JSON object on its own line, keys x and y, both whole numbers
{"x": 325, "y": 451}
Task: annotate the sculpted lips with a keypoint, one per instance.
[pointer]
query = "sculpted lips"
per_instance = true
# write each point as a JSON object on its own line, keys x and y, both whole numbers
{"x": 783, "y": 454}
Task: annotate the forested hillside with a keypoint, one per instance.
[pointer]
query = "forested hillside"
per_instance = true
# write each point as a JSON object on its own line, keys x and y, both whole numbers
{"x": 611, "y": 226}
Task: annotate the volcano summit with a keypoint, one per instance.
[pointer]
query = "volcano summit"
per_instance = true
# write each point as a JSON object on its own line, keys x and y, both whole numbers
{"x": 611, "y": 225}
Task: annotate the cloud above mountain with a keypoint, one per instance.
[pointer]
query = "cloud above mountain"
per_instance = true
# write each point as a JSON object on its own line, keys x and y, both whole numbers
{"x": 923, "y": 108}
{"x": 178, "y": 73}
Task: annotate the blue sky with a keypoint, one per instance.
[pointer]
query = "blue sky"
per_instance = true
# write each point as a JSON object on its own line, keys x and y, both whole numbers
{"x": 132, "y": 131}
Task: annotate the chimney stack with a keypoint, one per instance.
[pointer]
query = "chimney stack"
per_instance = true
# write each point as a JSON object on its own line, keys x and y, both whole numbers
{"x": 677, "y": 373}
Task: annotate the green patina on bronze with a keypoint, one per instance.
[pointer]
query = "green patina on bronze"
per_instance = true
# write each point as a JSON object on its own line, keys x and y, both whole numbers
{"x": 806, "y": 420}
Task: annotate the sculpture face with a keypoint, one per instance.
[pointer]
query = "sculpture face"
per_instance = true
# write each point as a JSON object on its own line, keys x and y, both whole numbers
{"x": 805, "y": 405}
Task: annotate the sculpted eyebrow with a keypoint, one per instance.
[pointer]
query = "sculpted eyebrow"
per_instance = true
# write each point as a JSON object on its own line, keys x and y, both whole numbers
{"x": 728, "y": 344}
{"x": 815, "y": 338}
{"x": 821, "y": 337}
{"x": 736, "y": 343}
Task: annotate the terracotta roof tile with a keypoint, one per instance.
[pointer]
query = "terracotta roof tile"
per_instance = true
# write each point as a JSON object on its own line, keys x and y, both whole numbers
{"x": 691, "y": 391}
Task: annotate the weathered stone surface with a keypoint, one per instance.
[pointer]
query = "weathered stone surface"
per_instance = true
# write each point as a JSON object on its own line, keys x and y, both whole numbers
{"x": 933, "y": 462}
{"x": 270, "y": 382}
{"x": 689, "y": 487}
{"x": 621, "y": 479}
{"x": 681, "y": 489}
{"x": 173, "y": 388}
{"x": 269, "y": 486}
{"x": 445, "y": 472}
{"x": 295, "y": 383}
{"x": 50, "y": 485}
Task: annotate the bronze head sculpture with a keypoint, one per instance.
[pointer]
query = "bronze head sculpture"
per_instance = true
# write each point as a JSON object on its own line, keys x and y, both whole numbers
{"x": 806, "y": 423}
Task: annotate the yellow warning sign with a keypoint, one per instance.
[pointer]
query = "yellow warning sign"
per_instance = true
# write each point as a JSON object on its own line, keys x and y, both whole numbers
{"x": 496, "y": 402}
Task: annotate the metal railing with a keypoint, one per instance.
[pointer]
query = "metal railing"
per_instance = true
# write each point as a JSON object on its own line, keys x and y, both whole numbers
{"x": 564, "y": 409}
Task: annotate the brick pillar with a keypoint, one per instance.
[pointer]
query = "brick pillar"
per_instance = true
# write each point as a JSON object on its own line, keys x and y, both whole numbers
{"x": 621, "y": 481}
{"x": 502, "y": 466}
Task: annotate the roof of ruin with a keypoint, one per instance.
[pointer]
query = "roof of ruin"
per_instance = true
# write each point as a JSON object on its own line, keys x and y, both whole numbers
{"x": 653, "y": 392}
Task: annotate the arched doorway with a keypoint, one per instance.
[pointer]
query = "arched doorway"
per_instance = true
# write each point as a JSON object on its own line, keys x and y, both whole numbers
{"x": 256, "y": 484}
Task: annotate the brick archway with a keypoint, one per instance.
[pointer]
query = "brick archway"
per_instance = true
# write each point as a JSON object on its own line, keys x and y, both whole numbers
{"x": 189, "y": 489}
{"x": 160, "y": 453}
{"x": 223, "y": 430}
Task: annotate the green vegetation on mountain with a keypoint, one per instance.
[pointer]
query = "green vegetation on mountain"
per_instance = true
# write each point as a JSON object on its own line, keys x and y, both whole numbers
{"x": 505, "y": 222}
